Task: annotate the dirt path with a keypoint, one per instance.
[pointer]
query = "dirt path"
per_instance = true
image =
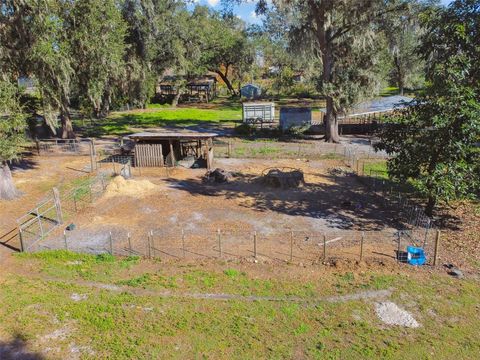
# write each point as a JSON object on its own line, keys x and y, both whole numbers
{"x": 376, "y": 295}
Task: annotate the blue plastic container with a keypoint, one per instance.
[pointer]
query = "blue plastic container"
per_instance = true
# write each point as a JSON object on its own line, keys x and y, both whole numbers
{"x": 416, "y": 256}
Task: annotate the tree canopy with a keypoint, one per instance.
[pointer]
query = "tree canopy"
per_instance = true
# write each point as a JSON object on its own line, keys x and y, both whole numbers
{"x": 435, "y": 142}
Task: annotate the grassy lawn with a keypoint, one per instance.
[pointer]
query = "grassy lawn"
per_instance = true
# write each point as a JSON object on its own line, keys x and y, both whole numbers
{"x": 120, "y": 123}
{"x": 55, "y": 304}
{"x": 376, "y": 168}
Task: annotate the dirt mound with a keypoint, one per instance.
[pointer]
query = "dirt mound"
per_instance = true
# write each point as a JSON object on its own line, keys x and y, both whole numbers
{"x": 218, "y": 176}
{"x": 137, "y": 188}
{"x": 284, "y": 178}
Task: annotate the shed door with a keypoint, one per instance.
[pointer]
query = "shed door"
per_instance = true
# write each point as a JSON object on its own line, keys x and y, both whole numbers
{"x": 148, "y": 155}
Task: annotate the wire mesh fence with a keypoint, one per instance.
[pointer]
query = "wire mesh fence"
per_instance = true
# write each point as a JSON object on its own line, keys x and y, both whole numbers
{"x": 278, "y": 149}
{"x": 57, "y": 208}
{"x": 293, "y": 246}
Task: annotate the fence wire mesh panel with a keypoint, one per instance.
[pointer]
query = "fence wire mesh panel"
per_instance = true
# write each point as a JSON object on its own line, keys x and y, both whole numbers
{"x": 277, "y": 150}
{"x": 47, "y": 218}
{"x": 63, "y": 146}
{"x": 294, "y": 246}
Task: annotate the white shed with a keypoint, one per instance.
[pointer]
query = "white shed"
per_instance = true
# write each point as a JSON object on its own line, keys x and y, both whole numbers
{"x": 258, "y": 112}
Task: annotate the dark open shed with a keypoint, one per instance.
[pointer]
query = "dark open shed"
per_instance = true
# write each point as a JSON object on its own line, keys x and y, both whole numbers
{"x": 186, "y": 148}
{"x": 198, "y": 89}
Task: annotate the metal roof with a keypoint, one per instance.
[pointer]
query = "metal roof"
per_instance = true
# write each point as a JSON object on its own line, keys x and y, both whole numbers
{"x": 172, "y": 135}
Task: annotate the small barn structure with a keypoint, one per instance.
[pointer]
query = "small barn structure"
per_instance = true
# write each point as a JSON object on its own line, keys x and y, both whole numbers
{"x": 258, "y": 113}
{"x": 167, "y": 148}
{"x": 250, "y": 91}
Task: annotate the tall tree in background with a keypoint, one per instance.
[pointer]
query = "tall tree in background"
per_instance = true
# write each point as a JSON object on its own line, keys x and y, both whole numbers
{"x": 95, "y": 31}
{"x": 225, "y": 48}
{"x": 33, "y": 38}
{"x": 154, "y": 42}
{"x": 12, "y": 126}
{"x": 402, "y": 31}
{"x": 341, "y": 35}
{"x": 434, "y": 142}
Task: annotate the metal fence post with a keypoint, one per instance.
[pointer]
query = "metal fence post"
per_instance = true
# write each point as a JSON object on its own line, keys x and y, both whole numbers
{"x": 324, "y": 247}
{"x": 111, "y": 242}
{"x": 291, "y": 245}
{"x": 219, "y": 242}
{"x": 437, "y": 244}
{"x": 183, "y": 242}
{"x": 65, "y": 239}
{"x": 399, "y": 246}
{"x": 361, "y": 245}
{"x": 149, "y": 250}
{"x": 129, "y": 243}
{"x": 255, "y": 244}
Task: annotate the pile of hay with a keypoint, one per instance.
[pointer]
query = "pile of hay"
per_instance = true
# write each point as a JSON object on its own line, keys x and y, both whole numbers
{"x": 137, "y": 188}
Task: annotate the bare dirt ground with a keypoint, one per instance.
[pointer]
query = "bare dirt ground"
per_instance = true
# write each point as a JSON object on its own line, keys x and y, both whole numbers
{"x": 329, "y": 203}
{"x": 35, "y": 177}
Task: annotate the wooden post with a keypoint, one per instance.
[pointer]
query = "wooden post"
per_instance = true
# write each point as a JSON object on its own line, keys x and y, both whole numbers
{"x": 255, "y": 244}
{"x": 111, "y": 242}
{"x": 219, "y": 242}
{"x": 437, "y": 245}
{"x": 229, "y": 151}
{"x": 183, "y": 243}
{"x": 324, "y": 247}
{"x": 361, "y": 245}
{"x": 291, "y": 245}
{"x": 129, "y": 243}
{"x": 20, "y": 235}
{"x": 37, "y": 143}
{"x": 58, "y": 205}
{"x": 172, "y": 154}
{"x": 65, "y": 239}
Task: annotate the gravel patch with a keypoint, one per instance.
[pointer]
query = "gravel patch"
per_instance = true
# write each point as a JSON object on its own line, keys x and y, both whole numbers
{"x": 391, "y": 314}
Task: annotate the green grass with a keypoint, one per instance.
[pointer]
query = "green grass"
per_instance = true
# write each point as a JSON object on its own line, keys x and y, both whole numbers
{"x": 122, "y": 122}
{"x": 376, "y": 169}
{"x": 127, "y": 324}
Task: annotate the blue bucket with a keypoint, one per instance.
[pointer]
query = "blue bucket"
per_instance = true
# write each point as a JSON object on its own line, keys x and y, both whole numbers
{"x": 416, "y": 256}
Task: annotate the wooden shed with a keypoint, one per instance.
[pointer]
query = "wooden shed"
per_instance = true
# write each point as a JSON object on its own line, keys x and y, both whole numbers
{"x": 168, "y": 148}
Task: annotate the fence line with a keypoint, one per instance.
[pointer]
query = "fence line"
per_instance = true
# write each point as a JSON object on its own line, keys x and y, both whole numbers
{"x": 293, "y": 246}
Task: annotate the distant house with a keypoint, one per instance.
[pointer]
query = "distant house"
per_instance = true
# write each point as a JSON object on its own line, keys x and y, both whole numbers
{"x": 250, "y": 91}
{"x": 198, "y": 89}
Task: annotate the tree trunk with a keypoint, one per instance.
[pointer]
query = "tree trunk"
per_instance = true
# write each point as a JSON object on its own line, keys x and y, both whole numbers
{"x": 400, "y": 76}
{"x": 176, "y": 98}
{"x": 430, "y": 206}
{"x": 105, "y": 105}
{"x": 7, "y": 187}
{"x": 227, "y": 82}
{"x": 67, "y": 127}
{"x": 331, "y": 123}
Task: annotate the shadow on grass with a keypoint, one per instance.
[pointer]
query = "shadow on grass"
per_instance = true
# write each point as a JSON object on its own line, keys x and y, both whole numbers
{"x": 17, "y": 350}
{"x": 122, "y": 125}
